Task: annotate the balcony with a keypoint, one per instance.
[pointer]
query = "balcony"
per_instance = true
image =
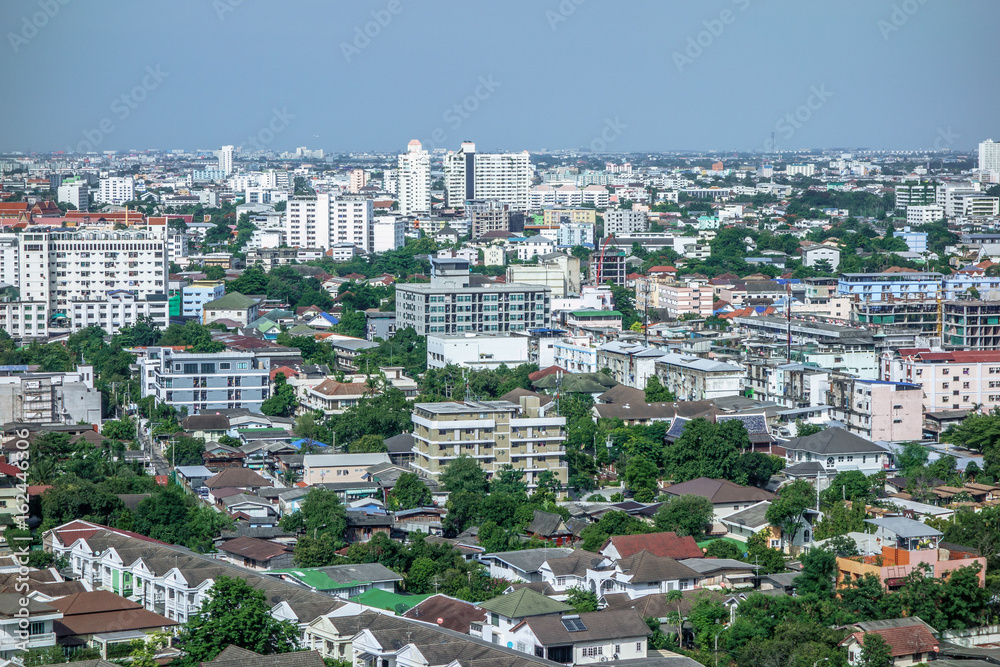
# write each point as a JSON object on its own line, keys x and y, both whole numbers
{"x": 33, "y": 641}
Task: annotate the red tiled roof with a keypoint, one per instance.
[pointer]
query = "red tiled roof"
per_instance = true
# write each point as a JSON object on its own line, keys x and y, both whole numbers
{"x": 664, "y": 545}
{"x": 961, "y": 356}
{"x": 538, "y": 375}
{"x": 79, "y": 529}
{"x": 907, "y": 640}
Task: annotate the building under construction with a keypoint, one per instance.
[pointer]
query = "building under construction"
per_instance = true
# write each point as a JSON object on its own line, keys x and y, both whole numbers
{"x": 922, "y": 315}
{"x": 971, "y": 325}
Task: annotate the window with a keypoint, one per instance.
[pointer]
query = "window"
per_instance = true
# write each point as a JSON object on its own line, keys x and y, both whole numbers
{"x": 495, "y": 620}
{"x": 190, "y": 369}
{"x": 224, "y": 365}
{"x": 521, "y": 647}
{"x": 208, "y": 369}
{"x": 242, "y": 365}
{"x": 638, "y": 647}
{"x": 36, "y": 628}
{"x": 829, "y": 462}
{"x": 591, "y": 651}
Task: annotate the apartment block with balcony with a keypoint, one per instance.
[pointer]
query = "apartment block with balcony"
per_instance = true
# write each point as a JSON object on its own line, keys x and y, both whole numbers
{"x": 878, "y": 409}
{"x": 201, "y": 382}
{"x": 455, "y": 302}
{"x": 955, "y": 380}
{"x": 889, "y": 286}
{"x": 494, "y": 433}
{"x": 696, "y": 379}
{"x": 971, "y": 325}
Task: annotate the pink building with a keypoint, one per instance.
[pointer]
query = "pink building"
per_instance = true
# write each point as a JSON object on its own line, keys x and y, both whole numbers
{"x": 956, "y": 380}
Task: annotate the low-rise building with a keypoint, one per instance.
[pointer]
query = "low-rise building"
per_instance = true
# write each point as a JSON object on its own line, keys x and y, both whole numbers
{"x": 477, "y": 351}
{"x": 697, "y": 379}
{"x": 233, "y": 306}
{"x": 495, "y": 433}
{"x": 321, "y": 468}
{"x": 205, "y": 381}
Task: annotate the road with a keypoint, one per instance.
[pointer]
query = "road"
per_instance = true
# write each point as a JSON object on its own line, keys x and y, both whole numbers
{"x": 145, "y": 441}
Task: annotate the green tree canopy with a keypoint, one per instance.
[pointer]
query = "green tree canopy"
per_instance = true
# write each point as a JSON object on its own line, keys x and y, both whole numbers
{"x": 685, "y": 515}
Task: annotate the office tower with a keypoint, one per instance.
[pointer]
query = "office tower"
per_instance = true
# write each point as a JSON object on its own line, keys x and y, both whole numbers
{"x": 414, "y": 180}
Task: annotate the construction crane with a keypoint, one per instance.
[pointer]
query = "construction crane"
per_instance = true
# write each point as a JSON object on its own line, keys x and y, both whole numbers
{"x": 600, "y": 260}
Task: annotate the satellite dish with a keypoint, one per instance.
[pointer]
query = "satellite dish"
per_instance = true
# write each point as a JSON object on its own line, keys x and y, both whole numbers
{"x": 440, "y": 621}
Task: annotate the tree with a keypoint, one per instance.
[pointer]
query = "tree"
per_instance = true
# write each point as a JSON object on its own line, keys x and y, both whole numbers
{"x": 282, "y": 403}
{"x": 582, "y": 600}
{"x": 186, "y": 451}
{"x": 912, "y": 458}
{"x": 122, "y": 429}
{"x": 197, "y": 336}
{"x": 685, "y": 515}
{"x": 819, "y": 572}
{"x": 851, "y": 485}
{"x": 367, "y": 444}
{"x": 803, "y": 429}
{"x": 676, "y": 597}
{"x": 786, "y": 510}
{"x": 640, "y": 477}
{"x": 410, "y": 492}
{"x": 322, "y": 520}
{"x": 215, "y": 273}
{"x": 463, "y": 511}
{"x": 656, "y": 392}
{"x": 723, "y": 549}
{"x": 875, "y": 652}
{"x": 419, "y": 576}
{"x": 465, "y": 474}
{"x": 235, "y": 614}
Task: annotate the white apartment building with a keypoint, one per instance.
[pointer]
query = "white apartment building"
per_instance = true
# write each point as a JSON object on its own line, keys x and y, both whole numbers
{"x": 800, "y": 170}
{"x": 226, "y": 160}
{"x": 576, "y": 354}
{"x": 178, "y": 246}
{"x": 327, "y": 219}
{"x": 915, "y": 194}
{"x": 358, "y": 180}
{"x": 620, "y": 221}
{"x": 477, "y": 351}
{"x": 74, "y": 192}
{"x": 502, "y": 176}
{"x": 696, "y": 379}
{"x": 413, "y": 179}
{"x": 388, "y": 233}
{"x": 948, "y": 194}
{"x": 545, "y": 195}
{"x": 989, "y": 155}
{"x": 575, "y": 233}
{"x": 116, "y": 190}
{"x": 922, "y": 215}
{"x": 83, "y": 278}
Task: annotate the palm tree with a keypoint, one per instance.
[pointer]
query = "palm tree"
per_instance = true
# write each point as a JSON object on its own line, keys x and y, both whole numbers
{"x": 676, "y": 597}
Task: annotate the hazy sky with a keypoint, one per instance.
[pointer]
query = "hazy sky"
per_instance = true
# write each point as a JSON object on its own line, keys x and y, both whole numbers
{"x": 517, "y": 74}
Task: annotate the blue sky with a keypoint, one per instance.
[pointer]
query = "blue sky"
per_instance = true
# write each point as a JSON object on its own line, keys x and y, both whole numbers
{"x": 525, "y": 74}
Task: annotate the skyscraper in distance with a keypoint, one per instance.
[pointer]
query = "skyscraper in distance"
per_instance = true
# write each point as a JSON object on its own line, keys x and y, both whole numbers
{"x": 414, "y": 180}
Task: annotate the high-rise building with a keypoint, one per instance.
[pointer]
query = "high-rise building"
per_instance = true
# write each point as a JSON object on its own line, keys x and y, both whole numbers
{"x": 488, "y": 216}
{"x": 327, "y": 219}
{"x": 226, "y": 160}
{"x": 989, "y": 155}
{"x": 116, "y": 190}
{"x": 621, "y": 222}
{"x": 915, "y": 194}
{"x": 413, "y": 180}
{"x": 469, "y": 175}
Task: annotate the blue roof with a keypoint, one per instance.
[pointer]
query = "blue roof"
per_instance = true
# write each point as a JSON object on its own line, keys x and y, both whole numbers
{"x": 903, "y": 384}
{"x": 297, "y": 444}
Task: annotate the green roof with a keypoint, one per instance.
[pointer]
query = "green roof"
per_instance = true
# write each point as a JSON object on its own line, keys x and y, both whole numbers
{"x": 231, "y": 301}
{"x": 599, "y": 314}
{"x": 524, "y": 602}
{"x": 376, "y": 597}
{"x": 315, "y": 577}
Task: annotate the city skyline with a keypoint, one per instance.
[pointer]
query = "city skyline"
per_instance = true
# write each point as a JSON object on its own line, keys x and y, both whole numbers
{"x": 647, "y": 78}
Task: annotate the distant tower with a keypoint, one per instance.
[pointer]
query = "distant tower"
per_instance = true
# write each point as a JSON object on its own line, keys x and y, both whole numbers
{"x": 226, "y": 160}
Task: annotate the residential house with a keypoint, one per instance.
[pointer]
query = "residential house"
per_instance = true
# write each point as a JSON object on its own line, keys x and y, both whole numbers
{"x": 718, "y": 573}
{"x": 344, "y": 581}
{"x": 726, "y": 497}
{"x": 206, "y": 425}
{"x": 506, "y": 612}
{"x": 907, "y": 546}
{"x": 838, "y": 450}
{"x": 549, "y": 527}
{"x": 237, "y": 478}
{"x": 566, "y": 572}
{"x": 752, "y": 520}
{"x": 451, "y": 613}
{"x": 910, "y": 641}
{"x": 664, "y": 545}
{"x": 234, "y": 656}
{"x": 583, "y": 639}
{"x": 93, "y": 618}
{"x": 641, "y": 574}
{"x": 524, "y": 565}
{"x": 256, "y": 554}
{"x": 331, "y": 635}
{"x": 40, "y": 632}
{"x": 233, "y": 306}
{"x": 320, "y": 468}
